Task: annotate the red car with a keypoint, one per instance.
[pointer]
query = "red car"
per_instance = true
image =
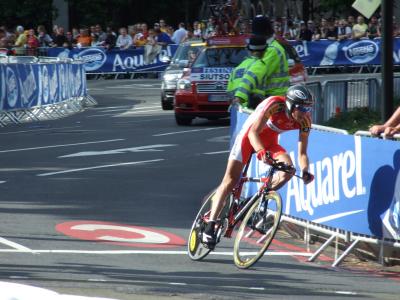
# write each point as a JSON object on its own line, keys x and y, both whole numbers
{"x": 201, "y": 92}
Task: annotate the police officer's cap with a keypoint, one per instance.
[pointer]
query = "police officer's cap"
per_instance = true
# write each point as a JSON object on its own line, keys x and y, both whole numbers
{"x": 261, "y": 25}
{"x": 257, "y": 43}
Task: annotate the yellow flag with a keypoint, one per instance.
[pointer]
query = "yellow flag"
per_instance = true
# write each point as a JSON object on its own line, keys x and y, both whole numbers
{"x": 366, "y": 7}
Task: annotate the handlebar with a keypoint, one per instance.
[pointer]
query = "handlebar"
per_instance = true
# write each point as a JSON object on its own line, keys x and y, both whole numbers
{"x": 280, "y": 165}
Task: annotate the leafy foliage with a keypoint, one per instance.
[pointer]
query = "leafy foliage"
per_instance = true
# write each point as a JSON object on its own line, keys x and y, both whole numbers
{"x": 358, "y": 119}
{"x": 29, "y": 13}
{"x": 124, "y": 12}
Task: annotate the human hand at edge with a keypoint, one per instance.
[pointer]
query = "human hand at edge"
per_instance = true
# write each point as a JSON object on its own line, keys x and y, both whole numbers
{"x": 377, "y": 129}
{"x": 307, "y": 177}
{"x": 390, "y": 131}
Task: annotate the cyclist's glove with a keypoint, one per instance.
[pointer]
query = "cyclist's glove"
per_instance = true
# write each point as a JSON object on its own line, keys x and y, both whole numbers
{"x": 307, "y": 177}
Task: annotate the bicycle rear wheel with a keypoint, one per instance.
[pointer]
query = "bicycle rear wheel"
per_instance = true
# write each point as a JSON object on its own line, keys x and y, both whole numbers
{"x": 257, "y": 230}
{"x": 196, "y": 250}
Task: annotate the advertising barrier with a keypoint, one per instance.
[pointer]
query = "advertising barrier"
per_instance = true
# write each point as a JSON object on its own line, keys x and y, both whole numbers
{"x": 347, "y": 52}
{"x": 24, "y": 86}
{"x": 356, "y": 186}
{"x": 313, "y": 54}
{"x": 100, "y": 60}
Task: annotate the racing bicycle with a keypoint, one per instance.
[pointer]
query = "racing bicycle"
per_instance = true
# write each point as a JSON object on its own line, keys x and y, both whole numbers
{"x": 252, "y": 221}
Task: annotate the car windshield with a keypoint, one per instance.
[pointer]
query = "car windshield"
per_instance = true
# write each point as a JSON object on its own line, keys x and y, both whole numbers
{"x": 186, "y": 53}
{"x": 220, "y": 57}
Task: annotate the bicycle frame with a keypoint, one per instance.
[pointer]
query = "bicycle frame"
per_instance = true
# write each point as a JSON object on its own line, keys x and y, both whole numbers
{"x": 234, "y": 215}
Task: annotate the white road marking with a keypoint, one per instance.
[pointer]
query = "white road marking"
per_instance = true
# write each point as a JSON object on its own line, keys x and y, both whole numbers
{"x": 111, "y": 107}
{"x": 345, "y": 293}
{"x": 96, "y": 89}
{"x": 146, "y": 107}
{"x": 42, "y": 129}
{"x": 142, "y": 121}
{"x": 257, "y": 288}
{"x": 150, "y": 87}
{"x": 149, "y": 237}
{"x": 96, "y": 280}
{"x": 217, "y": 152}
{"x": 125, "y": 113}
{"x": 187, "y": 131}
{"x": 114, "y": 110}
{"x": 149, "y": 148}
{"x": 177, "y": 283}
{"x": 146, "y": 85}
{"x": 61, "y": 145}
{"x": 14, "y": 245}
{"x": 128, "y": 107}
{"x": 2, "y": 182}
{"x": 220, "y": 139}
{"x": 141, "y": 111}
{"x": 99, "y": 167}
{"x": 102, "y": 115}
{"x": 145, "y": 252}
{"x": 11, "y": 290}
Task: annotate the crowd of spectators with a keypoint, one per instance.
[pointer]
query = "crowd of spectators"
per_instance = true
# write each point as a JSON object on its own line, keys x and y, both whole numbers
{"x": 152, "y": 38}
{"x": 332, "y": 29}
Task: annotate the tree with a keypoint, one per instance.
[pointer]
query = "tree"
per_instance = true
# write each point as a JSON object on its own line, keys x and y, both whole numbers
{"x": 28, "y": 13}
{"x": 126, "y": 12}
{"x": 337, "y": 8}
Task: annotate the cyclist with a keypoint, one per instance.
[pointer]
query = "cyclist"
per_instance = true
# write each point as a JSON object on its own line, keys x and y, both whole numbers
{"x": 259, "y": 134}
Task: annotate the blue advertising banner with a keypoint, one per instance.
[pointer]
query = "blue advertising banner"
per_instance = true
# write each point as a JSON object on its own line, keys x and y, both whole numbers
{"x": 313, "y": 54}
{"x": 100, "y": 60}
{"x": 356, "y": 186}
{"x": 347, "y": 52}
{"x": 24, "y": 86}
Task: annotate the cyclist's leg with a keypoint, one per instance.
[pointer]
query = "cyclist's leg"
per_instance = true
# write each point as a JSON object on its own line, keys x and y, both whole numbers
{"x": 239, "y": 156}
{"x": 280, "y": 178}
{"x": 231, "y": 177}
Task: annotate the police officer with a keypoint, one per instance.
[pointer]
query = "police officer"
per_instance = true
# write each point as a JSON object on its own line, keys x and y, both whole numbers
{"x": 256, "y": 47}
{"x": 268, "y": 76}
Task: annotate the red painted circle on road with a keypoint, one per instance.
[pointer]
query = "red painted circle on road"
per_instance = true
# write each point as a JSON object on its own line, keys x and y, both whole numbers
{"x": 120, "y": 234}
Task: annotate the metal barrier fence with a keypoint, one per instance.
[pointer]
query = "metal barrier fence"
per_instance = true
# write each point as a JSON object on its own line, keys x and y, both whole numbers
{"x": 336, "y": 96}
{"x": 40, "y": 88}
{"x": 316, "y": 89}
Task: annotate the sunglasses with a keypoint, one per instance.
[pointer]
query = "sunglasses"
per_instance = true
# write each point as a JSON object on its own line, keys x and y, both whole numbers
{"x": 304, "y": 109}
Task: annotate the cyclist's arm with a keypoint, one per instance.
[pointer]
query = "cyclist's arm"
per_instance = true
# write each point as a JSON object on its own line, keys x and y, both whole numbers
{"x": 303, "y": 144}
{"x": 302, "y": 150}
{"x": 258, "y": 125}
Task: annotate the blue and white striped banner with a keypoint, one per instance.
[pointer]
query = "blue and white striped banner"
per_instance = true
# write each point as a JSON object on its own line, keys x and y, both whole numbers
{"x": 24, "y": 86}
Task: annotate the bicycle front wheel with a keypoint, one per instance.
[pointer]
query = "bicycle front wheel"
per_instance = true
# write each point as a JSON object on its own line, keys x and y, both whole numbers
{"x": 257, "y": 230}
{"x": 196, "y": 250}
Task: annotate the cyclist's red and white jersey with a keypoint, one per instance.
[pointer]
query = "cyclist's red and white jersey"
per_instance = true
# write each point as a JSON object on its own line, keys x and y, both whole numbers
{"x": 277, "y": 123}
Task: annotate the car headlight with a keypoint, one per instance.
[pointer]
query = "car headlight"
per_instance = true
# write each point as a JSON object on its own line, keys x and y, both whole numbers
{"x": 184, "y": 84}
{"x": 172, "y": 76}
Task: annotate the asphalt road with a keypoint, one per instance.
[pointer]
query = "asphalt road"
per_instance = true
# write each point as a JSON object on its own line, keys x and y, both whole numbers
{"x": 100, "y": 204}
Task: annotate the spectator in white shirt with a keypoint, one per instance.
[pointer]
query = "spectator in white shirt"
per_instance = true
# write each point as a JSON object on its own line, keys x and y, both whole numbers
{"x": 124, "y": 40}
{"x": 343, "y": 31}
{"x": 197, "y": 31}
{"x": 179, "y": 34}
